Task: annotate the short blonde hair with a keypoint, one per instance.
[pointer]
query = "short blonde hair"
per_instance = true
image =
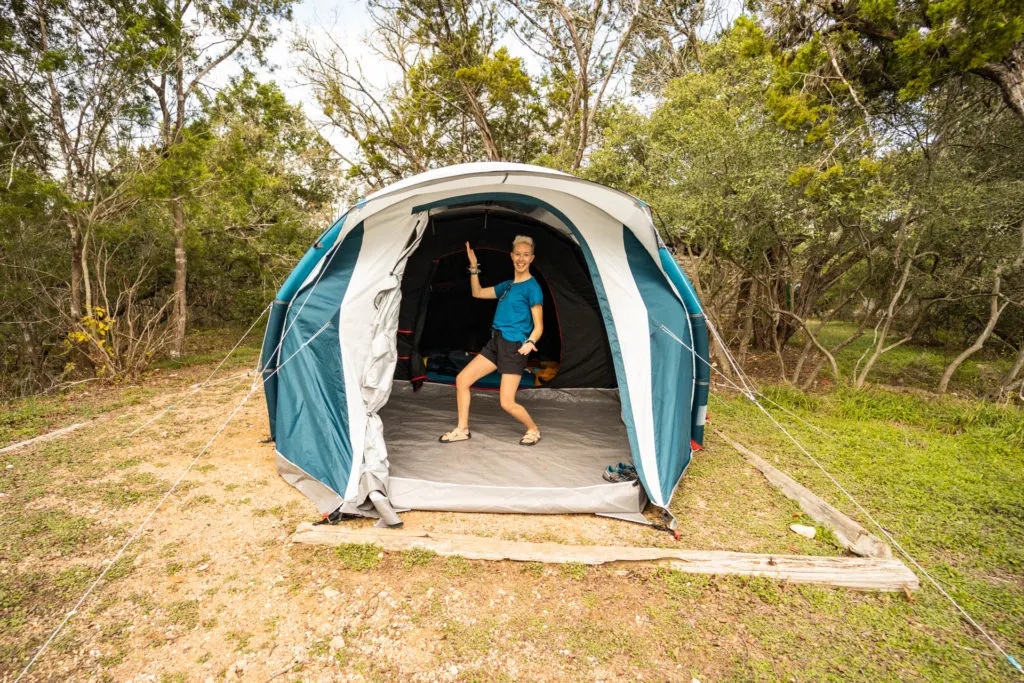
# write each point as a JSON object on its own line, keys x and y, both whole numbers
{"x": 522, "y": 239}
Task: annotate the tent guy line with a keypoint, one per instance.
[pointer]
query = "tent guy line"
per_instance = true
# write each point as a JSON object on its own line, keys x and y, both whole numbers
{"x": 751, "y": 394}
{"x": 257, "y": 383}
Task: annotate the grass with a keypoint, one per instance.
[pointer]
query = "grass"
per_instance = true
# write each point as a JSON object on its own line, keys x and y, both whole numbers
{"x": 944, "y": 475}
{"x": 359, "y": 556}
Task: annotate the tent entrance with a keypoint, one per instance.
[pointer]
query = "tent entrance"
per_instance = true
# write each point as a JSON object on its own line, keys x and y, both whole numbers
{"x": 583, "y": 434}
{"x": 441, "y": 326}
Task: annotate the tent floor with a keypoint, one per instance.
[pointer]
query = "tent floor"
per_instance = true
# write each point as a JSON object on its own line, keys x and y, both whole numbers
{"x": 582, "y": 434}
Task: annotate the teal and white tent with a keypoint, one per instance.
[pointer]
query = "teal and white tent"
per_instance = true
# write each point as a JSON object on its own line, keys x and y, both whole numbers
{"x": 371, "y": 326}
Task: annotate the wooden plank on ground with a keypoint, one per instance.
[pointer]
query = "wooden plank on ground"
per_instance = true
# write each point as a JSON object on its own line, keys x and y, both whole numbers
{"x": 44, "y": 437}
{"x": 851, "y": 535}
{"x": 848, "y": 572}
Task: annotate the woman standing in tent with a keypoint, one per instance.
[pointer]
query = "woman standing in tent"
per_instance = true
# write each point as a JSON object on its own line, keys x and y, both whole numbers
{"x": 518, "y": 325}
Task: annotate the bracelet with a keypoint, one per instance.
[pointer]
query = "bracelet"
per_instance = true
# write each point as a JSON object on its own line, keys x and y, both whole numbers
{"x": 474, "y": 271}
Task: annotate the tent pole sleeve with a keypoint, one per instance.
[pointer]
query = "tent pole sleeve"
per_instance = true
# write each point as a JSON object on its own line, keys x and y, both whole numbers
{"x": 698, "y": 323}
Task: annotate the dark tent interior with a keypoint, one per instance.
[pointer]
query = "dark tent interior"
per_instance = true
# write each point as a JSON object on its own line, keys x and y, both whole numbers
{"x": 441, "y": 326}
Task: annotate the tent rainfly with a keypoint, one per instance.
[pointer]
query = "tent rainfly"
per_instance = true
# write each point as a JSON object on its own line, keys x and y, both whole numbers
{"x": 368, "y": 331}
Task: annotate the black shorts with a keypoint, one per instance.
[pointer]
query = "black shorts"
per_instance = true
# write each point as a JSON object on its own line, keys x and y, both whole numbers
{"x": 505, "y": 354}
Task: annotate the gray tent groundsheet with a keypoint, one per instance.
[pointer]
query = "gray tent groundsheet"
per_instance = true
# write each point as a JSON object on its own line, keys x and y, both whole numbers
{"x": 582, "y": 432}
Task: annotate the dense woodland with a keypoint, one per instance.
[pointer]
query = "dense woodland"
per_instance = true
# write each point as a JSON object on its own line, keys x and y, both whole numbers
{"x": 809, "y": 162}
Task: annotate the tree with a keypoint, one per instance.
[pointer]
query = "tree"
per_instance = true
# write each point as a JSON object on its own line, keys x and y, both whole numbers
{"x": 456, "y": 97}
{"x": 188, "y": 40}
{"x": 585, "y": 48}
{"x": 70, "y": 72}
{"x": 909, "y": 47}
{"x": 263, "y": 186}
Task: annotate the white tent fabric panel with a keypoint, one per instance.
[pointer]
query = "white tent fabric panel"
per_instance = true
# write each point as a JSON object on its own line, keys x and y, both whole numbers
{"x": 373, "y": 294}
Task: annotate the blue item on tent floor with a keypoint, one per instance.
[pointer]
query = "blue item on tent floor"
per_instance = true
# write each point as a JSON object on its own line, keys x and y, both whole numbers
{"x": 443, "y": 367}
{"x": 491, "y": 381}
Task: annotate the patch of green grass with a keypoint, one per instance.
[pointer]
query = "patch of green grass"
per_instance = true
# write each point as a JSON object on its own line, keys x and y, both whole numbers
{"x": 320, "y": 648}
{"x": 196, "y": 501}
{"x": 133, "y": 488}
{"x": 417, "y": 557}
{"x": 203, "y": 469}
{"x": 574, "y": 570}
{"x": 184, "y": 614}
{"x": 276, "y": 511}
{"x": 48, "y": 533}
{"x": 534, "y": 568}
{"x": 942, "y": 474}
{"x": 173, "y": 568}
{"x": 127, "y": 463}
{"x": 682, "y": 586}
{"x": 456, "y": 565}
{"x": 359, "y": 556}
{"x": 32, "y": 416}
{"x": 240, "y": 639}
{"x": 468, "y": 640}
{"x": 766, "y": 590}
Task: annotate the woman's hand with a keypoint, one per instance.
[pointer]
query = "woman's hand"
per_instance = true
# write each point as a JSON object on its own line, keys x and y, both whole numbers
{"x": 526, "y": 348}
{"x": 472, "y": 256}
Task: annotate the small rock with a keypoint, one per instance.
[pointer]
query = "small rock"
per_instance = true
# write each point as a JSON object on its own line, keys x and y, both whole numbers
{"x": 331, "y": 594}
{"x": 10, "y": 467}
{"x": 803, "y": 530}
{"x": 337, "y": 643}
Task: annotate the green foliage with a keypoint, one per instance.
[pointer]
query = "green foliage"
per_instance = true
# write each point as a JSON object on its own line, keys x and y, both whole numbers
{"x": 359, "y": 556}
{"x": 417, "y": 557}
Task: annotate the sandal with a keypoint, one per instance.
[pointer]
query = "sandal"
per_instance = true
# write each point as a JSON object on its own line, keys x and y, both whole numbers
{"x": 531, "y": 437}
{"x": 455, "y": 435}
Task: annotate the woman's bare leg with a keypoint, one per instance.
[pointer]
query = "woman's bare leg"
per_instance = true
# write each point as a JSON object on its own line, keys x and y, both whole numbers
{"x": 509, "y": 385}
{"x": 477, "y": 368}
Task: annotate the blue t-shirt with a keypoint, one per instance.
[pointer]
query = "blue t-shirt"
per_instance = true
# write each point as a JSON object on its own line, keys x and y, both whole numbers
{"x": 513, "y": 318}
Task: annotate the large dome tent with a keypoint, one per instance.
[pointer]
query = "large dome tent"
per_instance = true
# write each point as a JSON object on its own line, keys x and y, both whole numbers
{"x": 362, "y": 330}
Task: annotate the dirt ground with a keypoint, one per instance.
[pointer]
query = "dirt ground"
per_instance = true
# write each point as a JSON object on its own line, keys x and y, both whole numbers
{"x": 213, "y": 589}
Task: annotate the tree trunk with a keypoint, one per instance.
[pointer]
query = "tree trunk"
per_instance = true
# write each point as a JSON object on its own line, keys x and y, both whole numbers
{"x": 76, "y": 270}
{"x": 1009, "y": 76}
{"x": 179, "y": 313}
{"x": 995, "y": 310}
{"x": 493, "y": 153}
{"x": 887, "y": 320}
{"x": 1010, "y": 378}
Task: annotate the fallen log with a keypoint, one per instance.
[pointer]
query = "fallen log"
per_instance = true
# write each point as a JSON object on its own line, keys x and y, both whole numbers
{"x": 859, "y": 573}
{"x": 851, "y": 535}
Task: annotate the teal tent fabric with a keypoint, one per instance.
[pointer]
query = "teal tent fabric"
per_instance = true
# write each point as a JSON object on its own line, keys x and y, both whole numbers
{"x": 313, "y": 427}
{"x": 699, "y": 331}
{"x": 671, "y": 363}
{"x": 271, "y": 354}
